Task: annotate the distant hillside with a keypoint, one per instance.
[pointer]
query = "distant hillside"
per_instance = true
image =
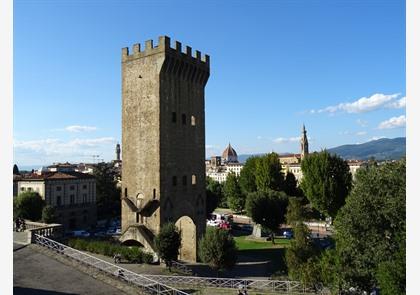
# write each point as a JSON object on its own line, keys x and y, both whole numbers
{"x": 381, "y": 149}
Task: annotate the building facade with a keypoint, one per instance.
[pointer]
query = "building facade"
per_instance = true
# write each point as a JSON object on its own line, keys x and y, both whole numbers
{"x": 72, "y": 194}
{"x": 163, "y": 135}
{"x": 219, "y": 167}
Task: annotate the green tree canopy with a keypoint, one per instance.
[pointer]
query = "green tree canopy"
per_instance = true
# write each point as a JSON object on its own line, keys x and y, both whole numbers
{"x": 213, "y": 194}
{"x": 290, "y": 185}
{"x": 167, "y": 243}
{"x": 247, "y": 176}
{"x": 218, "y": 249}
{"x": 301, "y": 254}
{"x": 296, "y": 211}
{"x": 232, "y": 191}
{"x": 15, "y": 169}
{"x": 267, "y": 208}
{"x": 108, "y": 196}
{"x": 370, "y": 227}
{"x": 48, "y": 214}
{"x": 28, "y": 205}
{"x": 268, "y": 175}
{"x": 326, "y": 182}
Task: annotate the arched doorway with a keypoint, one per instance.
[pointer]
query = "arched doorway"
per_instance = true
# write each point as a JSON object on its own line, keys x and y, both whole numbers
{"x": 188, "y": 250}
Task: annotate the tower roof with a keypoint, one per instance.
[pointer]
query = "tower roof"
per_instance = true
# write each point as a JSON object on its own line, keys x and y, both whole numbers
{"x": 229, "y": 152}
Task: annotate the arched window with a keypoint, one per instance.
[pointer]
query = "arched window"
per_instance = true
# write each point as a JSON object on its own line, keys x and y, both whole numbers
{"x": 192, "y": 121}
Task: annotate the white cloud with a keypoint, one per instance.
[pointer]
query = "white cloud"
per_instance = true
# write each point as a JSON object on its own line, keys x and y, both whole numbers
{"x": 56, "y": 147}
{"x": 376, "y": 138}
{"x": 399, "y": 104}
{"x": 78, "y": 128}
{"x": 361, "y": 133}
{"x": 362, "y": 123}
{"x": 394, "y": 122}
{"x": 286, "y": 140}
{"x": 363, "y": 104}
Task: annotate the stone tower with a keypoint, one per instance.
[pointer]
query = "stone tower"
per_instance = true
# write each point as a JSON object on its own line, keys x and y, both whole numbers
{"x": 163, "y": 169}
{"x": 118, "y": 152}
{"x": 304, "y": 150}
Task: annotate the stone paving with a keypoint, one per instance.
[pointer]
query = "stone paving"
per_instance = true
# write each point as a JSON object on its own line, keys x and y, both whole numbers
{"x": 37, "y": 273}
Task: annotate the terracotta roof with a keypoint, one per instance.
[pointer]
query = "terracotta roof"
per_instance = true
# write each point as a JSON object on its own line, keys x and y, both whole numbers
{"x": 229, "y": 152}
{"x": 290, "y": 155}
{"x": 58, "y": 175}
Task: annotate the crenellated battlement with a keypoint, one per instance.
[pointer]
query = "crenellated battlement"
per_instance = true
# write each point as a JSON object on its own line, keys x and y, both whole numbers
{"x": 163, "y": 46}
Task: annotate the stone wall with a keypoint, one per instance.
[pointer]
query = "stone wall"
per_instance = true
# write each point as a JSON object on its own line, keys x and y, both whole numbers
{"x": 163, "y": 136}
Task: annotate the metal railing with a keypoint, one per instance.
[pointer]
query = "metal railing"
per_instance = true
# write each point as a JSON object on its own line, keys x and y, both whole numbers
{"x": 160, "y": 284}
{"x": 147, "y": 284}
{"x": 282, "y": 287}
{"x": 181, "y": 267}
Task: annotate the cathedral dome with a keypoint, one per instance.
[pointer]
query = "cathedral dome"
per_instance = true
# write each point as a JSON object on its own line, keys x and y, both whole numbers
{"x": 229, "y": 154}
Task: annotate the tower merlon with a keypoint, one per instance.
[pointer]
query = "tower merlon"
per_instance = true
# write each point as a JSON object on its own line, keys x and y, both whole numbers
{"x": 164, "y": 45}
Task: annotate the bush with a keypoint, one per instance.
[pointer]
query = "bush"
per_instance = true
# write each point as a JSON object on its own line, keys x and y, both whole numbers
{"x": 147, "y": 257}
{"x": 131, "y": 254}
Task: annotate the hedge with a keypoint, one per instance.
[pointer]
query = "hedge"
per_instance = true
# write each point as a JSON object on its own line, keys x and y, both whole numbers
{"x": 131, "y": 254}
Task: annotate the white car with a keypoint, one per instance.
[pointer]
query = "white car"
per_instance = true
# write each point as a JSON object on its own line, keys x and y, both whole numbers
{"x": 213, "y": 222}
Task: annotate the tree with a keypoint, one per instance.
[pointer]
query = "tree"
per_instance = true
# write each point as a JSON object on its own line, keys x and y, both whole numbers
{"x": 108, "y": 196}
{"x": 15, "y": 169}
{"x": 268, "y": 173}
{"x": 301, "y": 254}
{"x": 167, "y": 243}
{"x": 28, "y": 205}
{"x": 218, "y": 249}
{"x": 267, "y": 208}
{"x": 296, "y": 211}
{"x": 326, "y": 182}
{"x": 371, "y": 226}
{"x": 48, "y": 214}
{"x": 213, "y": 195}
{"x": 391, "y": 273}
{"x": 247, "y": 176}
{"x": 290, "y": 185}
{"x": 232, "y": 191}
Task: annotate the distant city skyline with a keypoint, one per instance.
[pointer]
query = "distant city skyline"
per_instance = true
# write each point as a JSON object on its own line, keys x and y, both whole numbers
{"x": 337, "y": 67}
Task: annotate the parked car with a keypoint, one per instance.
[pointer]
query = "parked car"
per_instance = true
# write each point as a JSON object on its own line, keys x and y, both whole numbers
{"x": 288, "y": 234}
{"x": 213, "y": 222}
{"x": 80, "y": 233}
{"x": 225, "y": 225}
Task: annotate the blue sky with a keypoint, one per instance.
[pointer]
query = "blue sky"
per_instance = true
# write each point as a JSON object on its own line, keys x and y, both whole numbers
{"x": 336, "y": 66}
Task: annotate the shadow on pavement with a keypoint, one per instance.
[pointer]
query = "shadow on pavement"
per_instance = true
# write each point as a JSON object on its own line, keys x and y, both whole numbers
{"x": 251, "y": 263}
{"x": 31, "y": 291}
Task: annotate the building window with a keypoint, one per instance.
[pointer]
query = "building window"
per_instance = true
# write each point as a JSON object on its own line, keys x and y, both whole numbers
{"x": 58, "y": 200}
{"x": 193, "y": 179}
{"x": 72, "y": 199}
{"x": 184, "y": 180}
{"x": 174, "y": 180}
{"x": 84, "y": 198}
{"x": 154, "y": 193}
{"x": 22, "y": 189}
{"x": 192, "y": 121}
{"x": 29, "y": 189}
{"x": 173, "y": 117}
{"x": 58, "y": 188}
{"x": 84, "y": 186}
{"x": 125, "y": 192}
{"x": 184, "y": 119}
{"x": 72, "y": 187}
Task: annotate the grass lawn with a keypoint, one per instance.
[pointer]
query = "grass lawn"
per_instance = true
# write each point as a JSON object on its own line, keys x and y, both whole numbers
{"x": 244, "y": 243}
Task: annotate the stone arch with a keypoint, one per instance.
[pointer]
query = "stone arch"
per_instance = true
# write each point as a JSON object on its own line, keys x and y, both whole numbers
{"x": 131, "y": 242}
{"x": 188, "y": 250}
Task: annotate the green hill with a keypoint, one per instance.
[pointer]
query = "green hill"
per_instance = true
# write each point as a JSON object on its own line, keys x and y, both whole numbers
{"x": 381, "y": 149}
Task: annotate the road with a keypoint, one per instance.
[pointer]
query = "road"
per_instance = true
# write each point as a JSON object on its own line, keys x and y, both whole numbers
{"x": 37, "y": 274}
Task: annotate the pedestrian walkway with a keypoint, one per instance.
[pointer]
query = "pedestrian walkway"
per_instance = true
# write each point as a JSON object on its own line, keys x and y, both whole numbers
{"x": 20, "y": 237}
